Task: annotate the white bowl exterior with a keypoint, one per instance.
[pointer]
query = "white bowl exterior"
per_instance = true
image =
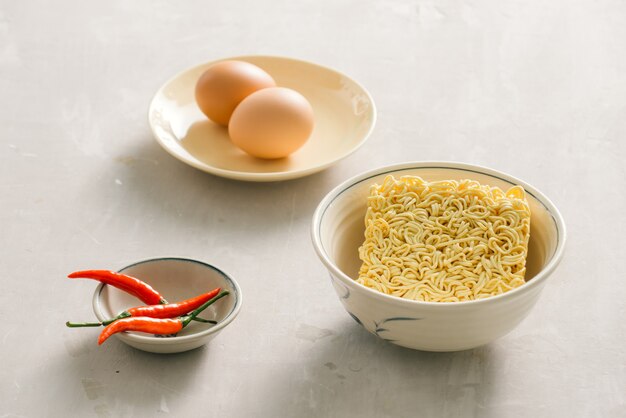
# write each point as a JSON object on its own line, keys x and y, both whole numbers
{"x": 168, "y": 348}
{"x": 431, "y": 326}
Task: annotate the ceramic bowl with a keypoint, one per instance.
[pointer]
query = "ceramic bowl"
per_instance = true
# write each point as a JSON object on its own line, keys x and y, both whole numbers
{"x": 337, "y": 233}
{"x": 344, "y": 118}
{"x": 176, "y": 279}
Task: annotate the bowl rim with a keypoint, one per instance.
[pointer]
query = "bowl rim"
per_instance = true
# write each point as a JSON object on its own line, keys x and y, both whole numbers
{"x": 260, "y": 177}
{"x": 447, "y": 165}
{"x": 144, "y": 339}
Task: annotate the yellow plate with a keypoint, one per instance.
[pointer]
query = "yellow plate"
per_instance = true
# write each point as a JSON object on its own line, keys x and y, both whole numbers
{"x": 345, "y": 115}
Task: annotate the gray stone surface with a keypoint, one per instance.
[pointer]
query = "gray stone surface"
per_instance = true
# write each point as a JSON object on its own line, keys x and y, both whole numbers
{"x": 536, "y": 89}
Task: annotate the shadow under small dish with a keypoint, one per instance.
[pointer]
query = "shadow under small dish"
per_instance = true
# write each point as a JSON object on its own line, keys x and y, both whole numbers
{"x": 176, "y": 279}
{"x": 344, "y": 115}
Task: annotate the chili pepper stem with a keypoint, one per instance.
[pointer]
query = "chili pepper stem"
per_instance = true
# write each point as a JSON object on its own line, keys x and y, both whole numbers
{"x": 206, "y": 321}
{"x": 188, "y": 318}
{"x": 109, "y": 321}
{"x": 124, "y": 314}
{"x": 82, "y": 324}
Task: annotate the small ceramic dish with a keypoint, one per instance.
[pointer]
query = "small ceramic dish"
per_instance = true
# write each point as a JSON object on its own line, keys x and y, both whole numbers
{"x": 344, "y": 118}
{"x": 176, "y": 279}
{"x": 338, "y": 231}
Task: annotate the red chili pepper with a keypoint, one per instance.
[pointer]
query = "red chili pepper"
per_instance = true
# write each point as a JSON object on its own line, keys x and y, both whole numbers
{"x": 171, "y": 310}
{"x": 128, "y": 284}
{"x": 154, "y": 325}
{"x": 141, "y": 324}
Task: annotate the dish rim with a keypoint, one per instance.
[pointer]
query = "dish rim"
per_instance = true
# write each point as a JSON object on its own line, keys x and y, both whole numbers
{"x": 97, "y": 306}
{"x": 346, "y": 185}
{"x": 251, "y": 176}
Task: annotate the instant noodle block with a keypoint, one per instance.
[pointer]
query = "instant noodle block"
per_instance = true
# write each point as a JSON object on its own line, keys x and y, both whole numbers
{"x": 444, "y": 241}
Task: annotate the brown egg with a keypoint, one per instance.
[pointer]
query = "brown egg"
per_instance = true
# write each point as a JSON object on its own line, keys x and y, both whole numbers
{"x": 224, "y": 85}
{"x": 272, "y": 123}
